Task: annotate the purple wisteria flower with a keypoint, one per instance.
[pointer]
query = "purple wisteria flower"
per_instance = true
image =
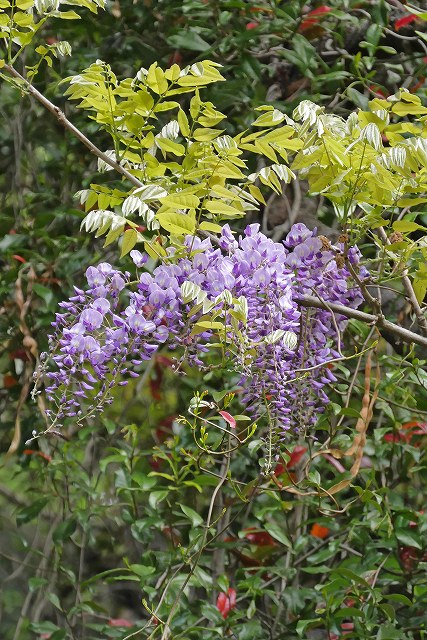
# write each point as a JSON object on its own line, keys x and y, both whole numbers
{"x": 279, "y": 349}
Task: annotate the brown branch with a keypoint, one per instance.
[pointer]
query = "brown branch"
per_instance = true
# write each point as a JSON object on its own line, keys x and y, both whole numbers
{"x": 369, "y": 318}
{"x": 421, "y": 318}
{"x": 63, "y": 120}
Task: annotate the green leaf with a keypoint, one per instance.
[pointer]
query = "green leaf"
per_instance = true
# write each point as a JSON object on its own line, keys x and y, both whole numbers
{"x": 349, "y": 612}
{"x": 169, "y": 146}
{"x": 210, "y": 226}
{"x": 53, "y": 598}
{"x": 178, "y": 224}
{"x": 64, "y": 530}
{"x": 156, "y": 497}
{"x": 388, "y": 631}
{"x": 400, "y": 598}
{"x": 192, "y": 515}
{"x": 406, "y": 226}
{"x": 142, "y": 570}
{"x": 207, "y": 325}
{"x": 408, "y": 539}
{"x": 219, "y": 207}
{"x": 28, "y": 513}
{"x": 66, "y": 15}
{"x": 181, "y": 200}
{"x": 278, "y": 534}
{"x": 130, "y": 238}
{"x": 303, "y": 625}
{"x": 206, "y": 134}
{"x": 188, "y": 40}
{"x": 183, "y": 123}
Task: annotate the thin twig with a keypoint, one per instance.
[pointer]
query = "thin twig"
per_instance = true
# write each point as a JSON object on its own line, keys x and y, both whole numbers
{"x": 421, "y": 318}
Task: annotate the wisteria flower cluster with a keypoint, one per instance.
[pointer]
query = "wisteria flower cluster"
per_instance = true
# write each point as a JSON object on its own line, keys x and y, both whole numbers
{"x": 108, "y": 330}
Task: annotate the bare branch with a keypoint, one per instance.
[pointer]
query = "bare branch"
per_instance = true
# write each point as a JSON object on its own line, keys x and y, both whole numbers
{"x": 369, "y": 318}
{"x": 63, "y": 120}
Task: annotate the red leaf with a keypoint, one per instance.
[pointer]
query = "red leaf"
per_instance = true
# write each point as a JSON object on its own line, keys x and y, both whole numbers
{"x": 226, "y": 601}
{"x": 19, "y": 258}
{"x": 33, "y": 452}
{"x": 175, "y": 58}
{"x": 9, "y": 381}
{"x": 228, "y": 418}
{"x": 422, "y": 427}
{"x": 19, "y": 354}
{"x": 260, "y": 538}
{"x": 296, "y": 456}
{"x": 252, "y": 25}
{"x": 319, "y": 11}
{"x": 164, "y": 429}
{"x": 318, "y": 531}
{"x": 377, "y": 90}
{"x": 313, "y": 17}
{"x": 120, "y": 622}
{"x": 408, "y": 558}
{"x": 402, "y": 22}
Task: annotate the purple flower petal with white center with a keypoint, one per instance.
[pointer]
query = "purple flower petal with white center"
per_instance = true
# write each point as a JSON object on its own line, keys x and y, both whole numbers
{"x": 94, "y": 277}
{"x": 102, "y": 305}
{"x": 139, "y": 259}
{"x": 91, "y": 319}
{"x": 140, "y": 325}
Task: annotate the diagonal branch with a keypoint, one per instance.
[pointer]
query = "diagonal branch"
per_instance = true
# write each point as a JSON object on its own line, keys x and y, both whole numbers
{"x": 63, "y": 120}
{"x": 369, "y": 318}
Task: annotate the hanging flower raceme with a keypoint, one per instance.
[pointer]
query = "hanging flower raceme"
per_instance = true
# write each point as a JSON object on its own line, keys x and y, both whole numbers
{"x": 245, "y": 292}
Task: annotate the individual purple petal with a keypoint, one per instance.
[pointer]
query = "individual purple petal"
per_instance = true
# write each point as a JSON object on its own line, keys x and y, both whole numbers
{"x": 139, "y": 259}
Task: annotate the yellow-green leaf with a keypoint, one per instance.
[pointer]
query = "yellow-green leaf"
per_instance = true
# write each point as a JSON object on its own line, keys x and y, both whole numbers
{"x": 181, "y": 200}
{"x": 210, "y": 226}
{"x": 220, "y": 191}
{"x": 256, "y": 193}
{"x": 67, "y": 15}
{"x": 169, "y": 146}
{"x": 206, "y": 135}
{"x": 406, "y": 226}
{"x": 112, "y": 235}
{"x": 408, "y": 108}
{"x": 420, "y": 288}
{"x": 130, "y": 238}
{"x": 166, "y": 106}
{"x": 22, "y": 19}
{"x": 207, "y": 325}
{"x": 178, "y": 224}
{"x": 410, "y": 202}
{"x": 154, "y": 250}
{"x": 268, "y": 119}
{"x": 223, "y": 209}
{"x": 183, "y": 123}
